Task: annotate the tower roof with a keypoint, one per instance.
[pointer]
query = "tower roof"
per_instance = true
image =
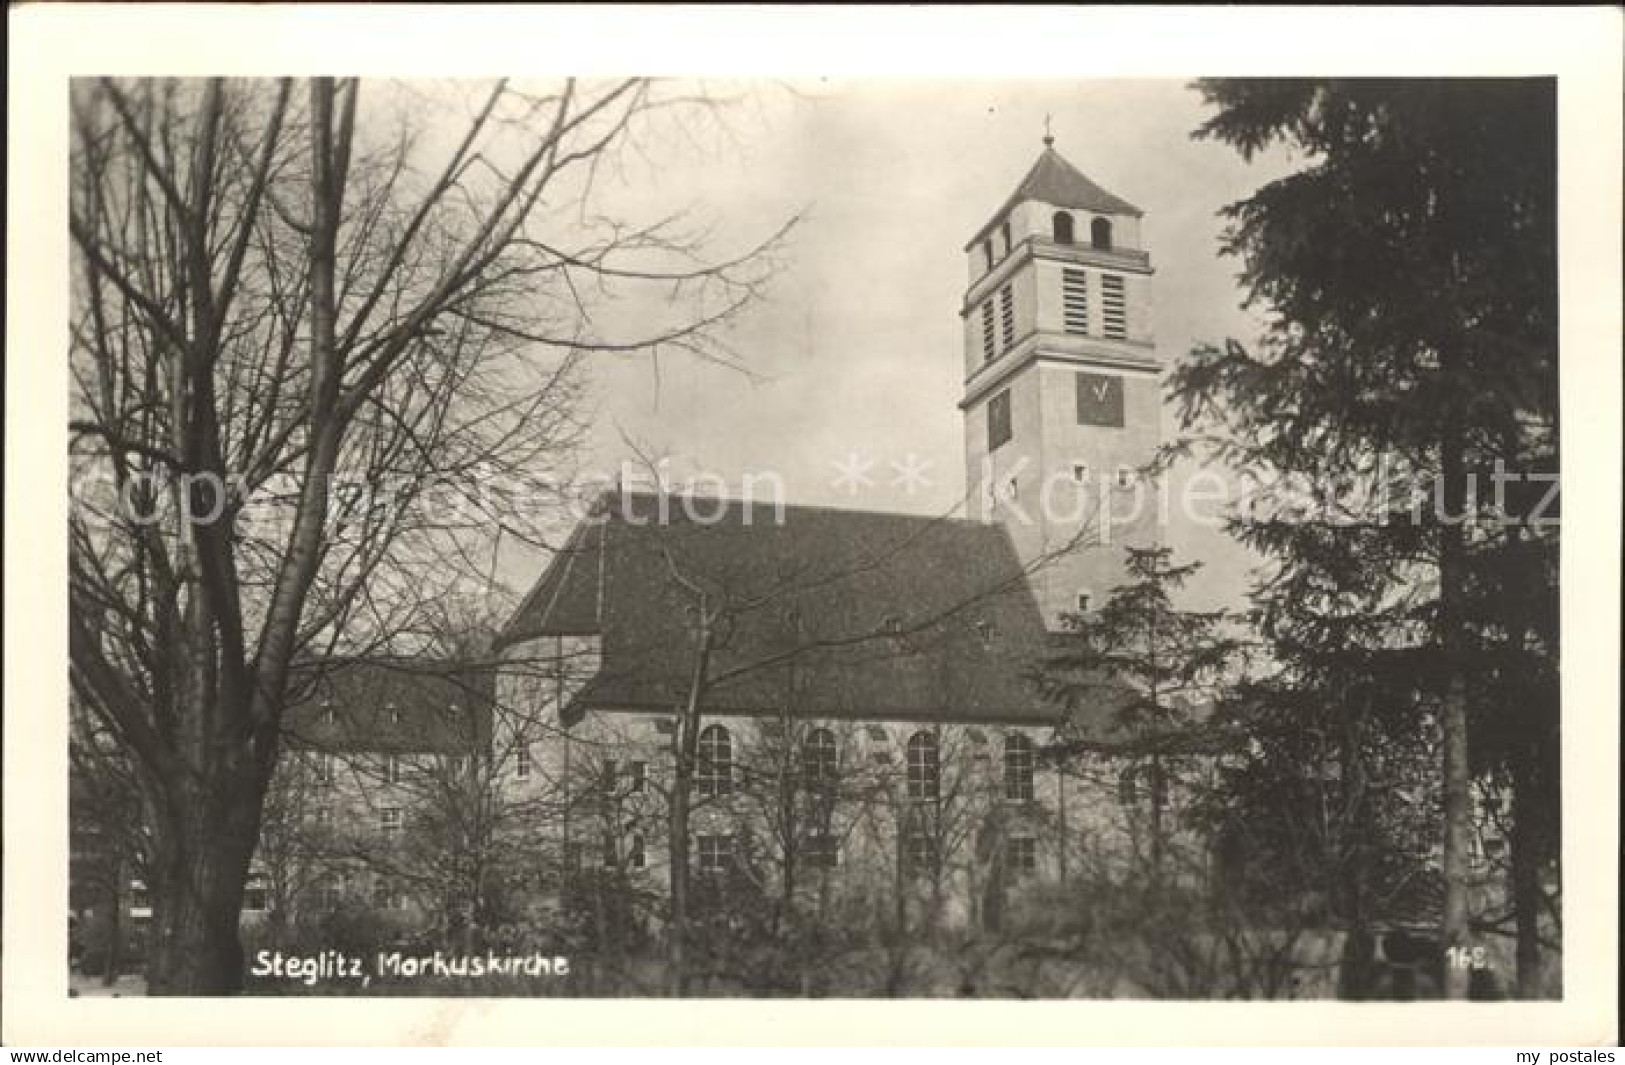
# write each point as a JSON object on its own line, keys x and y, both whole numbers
{"x": 1055, "y": 181}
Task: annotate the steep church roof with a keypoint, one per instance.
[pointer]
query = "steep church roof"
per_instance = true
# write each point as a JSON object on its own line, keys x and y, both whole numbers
{"x": 842, "y": 613}
{"x": 1055, "y": 181}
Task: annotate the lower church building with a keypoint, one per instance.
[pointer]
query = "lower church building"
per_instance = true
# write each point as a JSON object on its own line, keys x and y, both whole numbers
{"x": 867, "y": 723}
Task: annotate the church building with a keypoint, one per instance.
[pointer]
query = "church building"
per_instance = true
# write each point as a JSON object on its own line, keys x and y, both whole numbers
{"x": 867, "y": 718}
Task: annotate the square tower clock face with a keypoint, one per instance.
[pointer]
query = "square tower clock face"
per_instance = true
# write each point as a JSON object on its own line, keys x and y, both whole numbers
{"x": 1100, "y": 399}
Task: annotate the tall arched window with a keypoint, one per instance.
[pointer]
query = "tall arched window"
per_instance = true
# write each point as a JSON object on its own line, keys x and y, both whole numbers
{"x": 714, "y": 775}
{"x": 924, "y": 770}
{"x": 1018, "y": 767}
{"x": 1062, "y": 225}
{"x": 819, "y": 757}
{"x": 1100, "y": 233}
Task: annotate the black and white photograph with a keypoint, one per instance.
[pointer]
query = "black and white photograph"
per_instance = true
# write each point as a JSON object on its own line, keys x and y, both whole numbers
{"x": 868, "y": 537}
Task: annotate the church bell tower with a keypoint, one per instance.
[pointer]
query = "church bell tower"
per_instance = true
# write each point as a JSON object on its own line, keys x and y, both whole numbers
{"x": 1062, "y": 395}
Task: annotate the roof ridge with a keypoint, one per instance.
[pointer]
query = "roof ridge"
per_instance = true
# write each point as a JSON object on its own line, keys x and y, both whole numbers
{"x": 827, "y": 507}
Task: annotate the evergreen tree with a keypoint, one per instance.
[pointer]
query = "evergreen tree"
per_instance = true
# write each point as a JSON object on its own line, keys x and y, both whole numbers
{"x": 1155, "y": 665}
{"x": 1409, "y": 274}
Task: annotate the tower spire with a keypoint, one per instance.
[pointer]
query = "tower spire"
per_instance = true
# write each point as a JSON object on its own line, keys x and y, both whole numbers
{"x": 1049, "y": 137}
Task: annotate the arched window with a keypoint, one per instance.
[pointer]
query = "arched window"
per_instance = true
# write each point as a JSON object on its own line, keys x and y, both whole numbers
{"x": 819, "y": 758}
{"x": 1100, "y": 233}
{"x": 924, "y": 771}
{"x": 1018, "y": 768}
{"x": 1063, "y": 227}
{"x": 714, "y": 775}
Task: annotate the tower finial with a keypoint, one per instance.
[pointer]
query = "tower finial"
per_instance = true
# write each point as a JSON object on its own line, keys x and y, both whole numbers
{"x": 1049, "y": 138}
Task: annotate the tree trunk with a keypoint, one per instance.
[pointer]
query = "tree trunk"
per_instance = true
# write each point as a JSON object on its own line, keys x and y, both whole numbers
{"x": 993, "y": 899}
{"x": 1525, "y": 855}
{"x": 1158, "y": 797}
{"x": 789, "y": 824}
{"x": 898, "y": 948}
{"x": 1458, "y": 808}
{"x": 1065, "y": 835}
{"x": 1529, "y": 798}
{"x": 787, "y": 888}
{"x": 1458, "y": 794}
{"x": 201, "y": 856}
{"x": 115, "y": 924}
{"x": 687, "y": 743}
{"x": 1356, "y": 978}
{"x": 677, "y": 922}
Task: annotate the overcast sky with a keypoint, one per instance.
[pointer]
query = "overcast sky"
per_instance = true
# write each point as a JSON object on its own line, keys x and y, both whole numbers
{"x": 857, "y": 349}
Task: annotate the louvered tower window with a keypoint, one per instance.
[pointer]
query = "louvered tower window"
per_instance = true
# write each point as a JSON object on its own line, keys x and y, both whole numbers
{"x": 1114, "y": 318}
{"x": 1007, "y": 316}
{"x": 989, "y": 338}
{"x": 1075, "y": 301}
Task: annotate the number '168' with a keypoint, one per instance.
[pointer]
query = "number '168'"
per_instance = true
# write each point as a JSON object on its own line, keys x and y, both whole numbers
{"x": 1467, "y": 958}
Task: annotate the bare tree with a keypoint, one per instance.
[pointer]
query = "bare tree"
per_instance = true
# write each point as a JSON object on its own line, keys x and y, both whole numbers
{"x": 302, "y": 348}
{"x": 291, "y": 857}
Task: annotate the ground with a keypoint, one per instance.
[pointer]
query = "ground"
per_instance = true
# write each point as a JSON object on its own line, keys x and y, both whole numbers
{"x": 81, "y": 986}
